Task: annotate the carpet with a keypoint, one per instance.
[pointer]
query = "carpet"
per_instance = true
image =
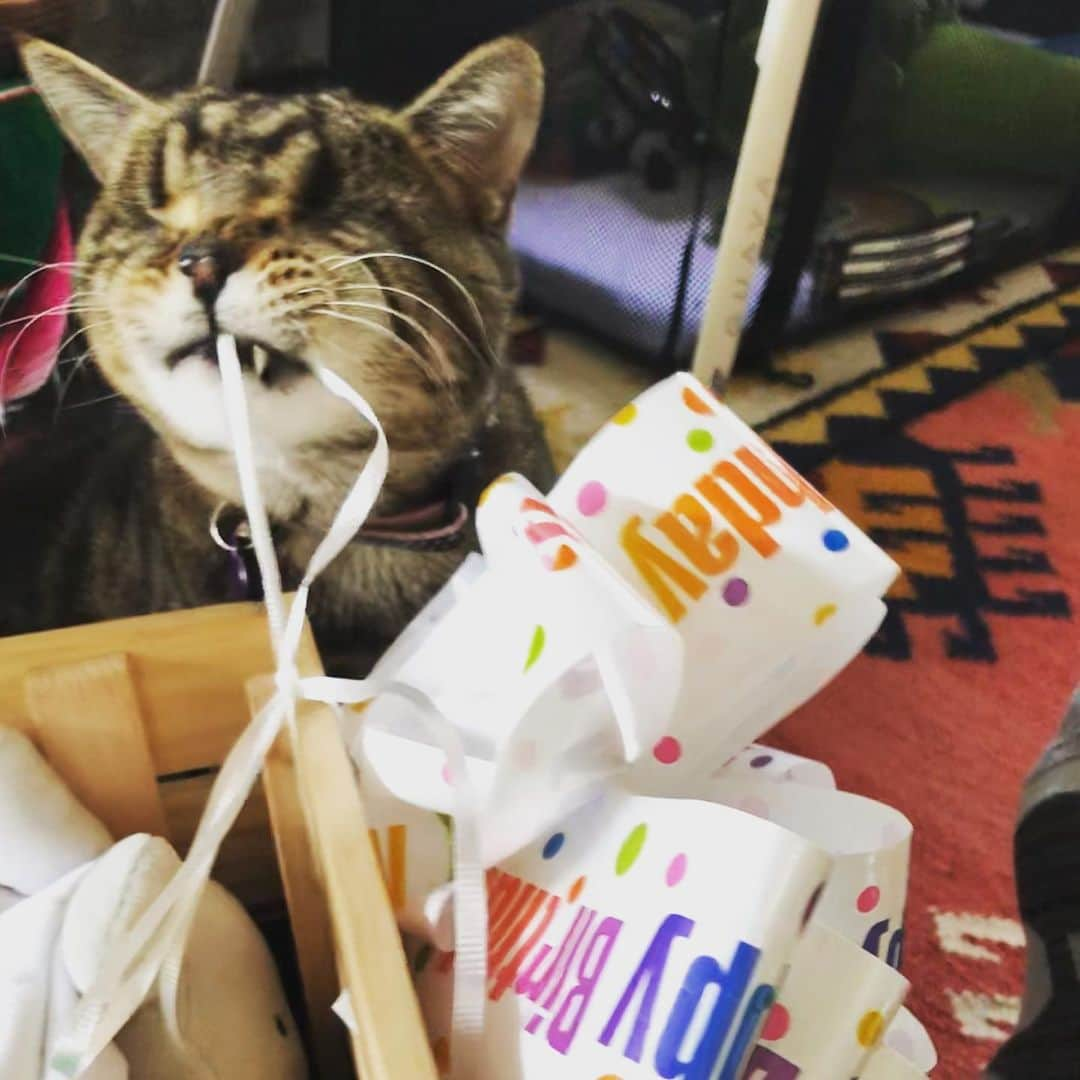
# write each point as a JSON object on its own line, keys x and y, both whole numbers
{"x": 954, "y": 441}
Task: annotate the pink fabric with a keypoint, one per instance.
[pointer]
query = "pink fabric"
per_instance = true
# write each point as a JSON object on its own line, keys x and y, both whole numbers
{"x": 30, "y": 340}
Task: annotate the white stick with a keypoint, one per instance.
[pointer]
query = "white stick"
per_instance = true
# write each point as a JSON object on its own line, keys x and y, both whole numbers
{"x": 786, "y": 35}
{"x": 225, "y": 42}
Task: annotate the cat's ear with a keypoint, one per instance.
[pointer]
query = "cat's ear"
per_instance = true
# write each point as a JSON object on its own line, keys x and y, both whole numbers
{"x": 92, "y": 108}
{"x": 478, "y": 122}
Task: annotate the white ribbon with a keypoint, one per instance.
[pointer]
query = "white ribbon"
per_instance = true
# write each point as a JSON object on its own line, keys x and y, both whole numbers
{"x": 153, "y": 949}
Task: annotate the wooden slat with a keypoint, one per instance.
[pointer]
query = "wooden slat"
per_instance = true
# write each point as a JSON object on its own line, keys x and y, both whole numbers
{"x": 189, "y": 669}
{"x": 391, "y": 1042}
{"x": 88, "y": 723}
{"x": 309, "y": 916}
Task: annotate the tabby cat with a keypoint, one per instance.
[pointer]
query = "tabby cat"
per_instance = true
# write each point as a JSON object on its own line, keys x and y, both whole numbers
{"x": 312, "y": 228}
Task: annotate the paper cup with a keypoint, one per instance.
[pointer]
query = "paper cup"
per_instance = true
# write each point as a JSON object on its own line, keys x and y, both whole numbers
{"x": 641, "y": 934}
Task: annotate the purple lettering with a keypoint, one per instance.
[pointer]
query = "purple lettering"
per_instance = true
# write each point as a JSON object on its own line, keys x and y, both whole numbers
{"x": 572, "y": 1011}
{"x": 731, "y": 985}
{"x": 648, "y": 975}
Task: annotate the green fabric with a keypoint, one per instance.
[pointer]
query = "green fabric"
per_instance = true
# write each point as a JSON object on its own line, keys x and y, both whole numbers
{"x": 976, "y": 103}
{"x": 31, "y": 153}
{"x": 897, "y": 28}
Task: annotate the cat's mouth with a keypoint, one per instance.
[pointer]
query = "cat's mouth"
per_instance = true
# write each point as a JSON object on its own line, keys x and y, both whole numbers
{"x": 271, "y": 366}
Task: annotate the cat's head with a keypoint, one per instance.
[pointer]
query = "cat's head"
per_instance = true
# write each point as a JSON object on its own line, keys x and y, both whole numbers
{"x": 313, "y": 228}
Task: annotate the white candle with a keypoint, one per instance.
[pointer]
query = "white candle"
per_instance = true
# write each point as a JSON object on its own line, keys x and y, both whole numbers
{"x": 783, "y": 48}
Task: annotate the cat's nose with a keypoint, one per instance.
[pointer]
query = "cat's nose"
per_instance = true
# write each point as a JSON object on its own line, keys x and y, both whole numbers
{"x": 207, "y": 266}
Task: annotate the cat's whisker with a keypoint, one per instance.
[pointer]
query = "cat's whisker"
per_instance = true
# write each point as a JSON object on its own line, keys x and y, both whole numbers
{"x": 12, "y": 349}
{"x": 58, "y": 309}
{"x": 23, "y": 261}
{"x": 371, "y": 324}
{"x": 39, "y": 268}
{"x": 434, "y": 308}
{"x": 96, "y": 401}
{"x": 349, "y": 260}
{"x": 432, "y": 342}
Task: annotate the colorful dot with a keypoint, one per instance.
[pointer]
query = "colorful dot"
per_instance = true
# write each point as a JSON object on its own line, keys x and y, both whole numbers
{"x": 812, "y": 903}
{"x": 835, "y": 540}
{"x": 534, "y": 1023}
{"x": 824, "y": 614}
{"x": 626, "y": 415}
{"x": 736, "y": 592}
{"x": 777, "y": 1024}
{"x": 445, "y": 773}
{"x": 676, "y": 870}
{"x": 631, "y": 849}
{"x": 761, "y": 761}
{"x": 610, "y": 1076}
{"x": 554, "y": 845}
{"x": 868, "y": 899}
{"x": 870, "y": 1028}
{"x": 592, "y": 498}
{"x": 563, "y": 559}
{"x": 575, "y": 890}
{"x": 694, "y": 403}
{"x": 668, "y": 750}
{"x": 536, "y": 647}
{"x": 700, "y": 440}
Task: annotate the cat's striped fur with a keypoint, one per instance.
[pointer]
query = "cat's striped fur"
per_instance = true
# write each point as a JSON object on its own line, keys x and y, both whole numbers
{"x": 368, "y": 240}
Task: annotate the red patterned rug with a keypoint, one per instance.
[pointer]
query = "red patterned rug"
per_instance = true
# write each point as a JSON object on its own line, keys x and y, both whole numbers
{"x": 962, "y": 461}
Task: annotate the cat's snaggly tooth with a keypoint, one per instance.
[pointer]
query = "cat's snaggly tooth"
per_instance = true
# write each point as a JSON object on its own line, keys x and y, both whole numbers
{"x": 260, "y": 358}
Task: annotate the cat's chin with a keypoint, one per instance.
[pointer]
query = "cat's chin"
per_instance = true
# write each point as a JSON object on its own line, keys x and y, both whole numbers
{"x": 288, "y": 408}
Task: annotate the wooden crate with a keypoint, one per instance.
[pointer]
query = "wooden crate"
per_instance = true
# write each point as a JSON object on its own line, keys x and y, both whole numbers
{"x": 138, "y": 714}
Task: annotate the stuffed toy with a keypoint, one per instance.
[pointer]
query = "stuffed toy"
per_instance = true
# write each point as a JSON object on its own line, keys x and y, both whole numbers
{"x": 67, "y": 894}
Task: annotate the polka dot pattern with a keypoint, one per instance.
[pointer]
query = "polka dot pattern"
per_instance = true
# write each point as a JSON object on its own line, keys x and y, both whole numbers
{"x": 563, "y": 559}
{"x": 824, "y": 614}
{"x": 694, "y": 403}
{"x": 736, "y": 591}
{"x": 536, "y": 647}
{"x": 575, "y": 890}
{"x": 676, "y": 870}
{"x": 699, "y": 440}
{"x": 553, "y": 845}
{"x": 668, "y": 750}
{"x": 626, "y": 415}
{"x": 631, "y": 849}
{"x": 870, "y": 1028}
{"x": 592, "y": 498}
{"x": 868, "y": 899}
{"x": 777, "y": 1023}
{"x": 761, "y": 761}
{"x": 835, "y": 540}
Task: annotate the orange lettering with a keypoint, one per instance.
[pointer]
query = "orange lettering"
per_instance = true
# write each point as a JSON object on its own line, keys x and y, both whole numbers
{"x": 531, "y": 899}
{"x": 709, "y": 554}
{"x": 793, "y": 495}
{"x": 653, "y": 564}
{"x": 509, "y": 971}
{"x": 751, "y": 529}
